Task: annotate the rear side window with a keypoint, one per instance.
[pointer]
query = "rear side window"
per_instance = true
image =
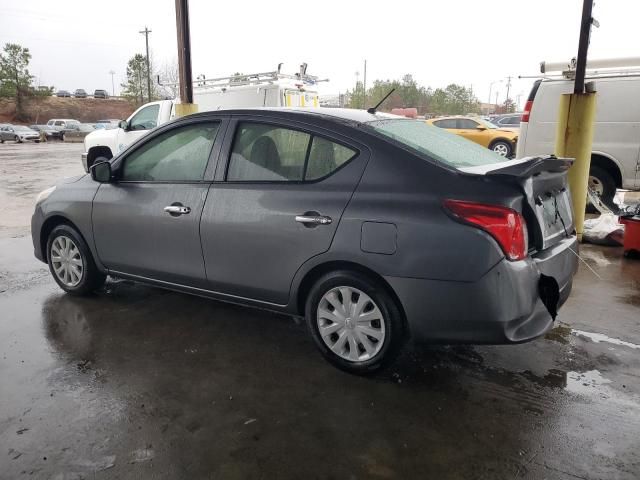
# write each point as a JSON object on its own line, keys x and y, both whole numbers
{"x": 325, "y": 157}
{"x": 264, "y": 152}
{"x": 465, "y": 123}
{"x": 435, "y": 143}
{"x": 177, "y": 155}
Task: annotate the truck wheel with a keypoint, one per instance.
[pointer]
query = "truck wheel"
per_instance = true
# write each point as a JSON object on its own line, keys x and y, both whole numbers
{"x": 62, "y": 137}
{"x": 603, "y": 184}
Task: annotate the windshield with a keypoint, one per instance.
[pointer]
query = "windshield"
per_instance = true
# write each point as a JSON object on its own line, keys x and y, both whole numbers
{"x": 20, "y": 128}
{"x": 436, "y": 143}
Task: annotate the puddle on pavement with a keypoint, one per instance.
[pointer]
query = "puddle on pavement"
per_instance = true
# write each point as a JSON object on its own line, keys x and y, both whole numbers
{"x": 585, "y": 383}
{"x": 599, "y": 337}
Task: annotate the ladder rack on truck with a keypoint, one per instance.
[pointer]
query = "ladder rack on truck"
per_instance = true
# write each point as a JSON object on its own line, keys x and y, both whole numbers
{"x": 255, "y": 79}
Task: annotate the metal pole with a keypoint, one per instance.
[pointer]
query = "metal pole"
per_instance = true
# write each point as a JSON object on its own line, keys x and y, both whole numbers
{"x": 583, "y": 45}
{"x": 508, "y": 88}
{"x": 113, "y": 88}
{"x": 146, "y": 33}
{"x": 184, "y": 51}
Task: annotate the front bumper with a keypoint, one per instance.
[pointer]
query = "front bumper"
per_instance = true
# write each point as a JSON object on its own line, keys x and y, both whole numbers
{"x": 504, "y": 306}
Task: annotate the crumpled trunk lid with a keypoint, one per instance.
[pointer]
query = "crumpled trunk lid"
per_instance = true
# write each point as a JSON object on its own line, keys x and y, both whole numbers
{"x": 547, "y": 200}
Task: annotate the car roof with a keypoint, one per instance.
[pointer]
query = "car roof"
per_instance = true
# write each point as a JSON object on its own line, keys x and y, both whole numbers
{"x": 343, "y": 115}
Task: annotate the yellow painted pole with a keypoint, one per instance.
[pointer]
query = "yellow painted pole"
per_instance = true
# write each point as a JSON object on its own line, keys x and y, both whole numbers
{"x": 574, "y": 137}
{"x": 184, "y": 109}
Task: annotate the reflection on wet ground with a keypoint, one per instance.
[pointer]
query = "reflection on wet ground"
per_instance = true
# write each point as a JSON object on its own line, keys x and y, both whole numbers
{"x": 137, "y": 381}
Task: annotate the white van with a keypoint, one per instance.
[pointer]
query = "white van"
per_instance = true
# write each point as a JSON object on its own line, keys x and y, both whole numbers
{"x": 615, "y": 161}
{"x": 269, "y": 89}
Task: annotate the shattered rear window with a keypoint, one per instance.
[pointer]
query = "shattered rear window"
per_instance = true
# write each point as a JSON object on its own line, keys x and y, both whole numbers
{"x": 436, "y": 143}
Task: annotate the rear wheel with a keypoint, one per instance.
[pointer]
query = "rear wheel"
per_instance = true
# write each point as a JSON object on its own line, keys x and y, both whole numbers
{"x": 603, "y": 184}
{"x": 354, "y": 322}
{"x": 502, "y": 148}
{"x": 71, "y": 263}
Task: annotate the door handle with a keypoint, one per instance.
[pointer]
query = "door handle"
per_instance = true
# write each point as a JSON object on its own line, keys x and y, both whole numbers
{"x": 311, "y": 220}
{"x": 177, "y": 210}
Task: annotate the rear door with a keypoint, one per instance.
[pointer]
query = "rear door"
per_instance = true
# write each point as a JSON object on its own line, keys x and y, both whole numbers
{"x": 277, "y": 203}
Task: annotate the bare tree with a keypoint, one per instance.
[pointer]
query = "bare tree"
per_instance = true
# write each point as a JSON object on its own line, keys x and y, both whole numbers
{"x": 169, "y": 79}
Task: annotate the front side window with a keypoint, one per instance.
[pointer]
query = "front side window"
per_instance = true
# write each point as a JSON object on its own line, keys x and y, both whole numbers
{"x": 59, "y": 123}
{"x": 145, "y": 119}
{"x": 270, "y": 153}
{"x": 178, "y": 155}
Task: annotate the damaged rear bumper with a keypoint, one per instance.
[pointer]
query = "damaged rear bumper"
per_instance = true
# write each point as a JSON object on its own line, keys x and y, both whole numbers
{"x": 504, "y": 306}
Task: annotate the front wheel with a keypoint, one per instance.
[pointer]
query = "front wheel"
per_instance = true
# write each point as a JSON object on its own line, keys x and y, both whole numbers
{"x": 17, "y": 139}
{"x": 355, "y": 322}
{"x": 502, "y": 148}
{"x": 71, "y": 263}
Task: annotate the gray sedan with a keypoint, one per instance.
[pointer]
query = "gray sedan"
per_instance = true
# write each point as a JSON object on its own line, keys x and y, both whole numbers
{"x": 375, "y": 228}
{"x": 18, "y": 134}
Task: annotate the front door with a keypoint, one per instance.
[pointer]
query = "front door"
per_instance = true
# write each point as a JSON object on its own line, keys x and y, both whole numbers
{"x": 146, "y": 222}
{"x": 278, "y": 205}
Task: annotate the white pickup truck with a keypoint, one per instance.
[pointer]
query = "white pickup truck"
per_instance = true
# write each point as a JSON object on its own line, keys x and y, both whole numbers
{"x": 271, "y": 89}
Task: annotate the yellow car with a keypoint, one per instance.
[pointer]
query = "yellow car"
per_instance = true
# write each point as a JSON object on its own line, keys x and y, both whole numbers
{"x": 502, "y": 141}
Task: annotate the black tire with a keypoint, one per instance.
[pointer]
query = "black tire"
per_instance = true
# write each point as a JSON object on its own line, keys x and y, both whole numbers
{"x": 62, "y": 137}
{"x": 17, "y": 139}
{"x": 505, "y": 149}
{"x": 394, "y": 326}
{"x": 607, "y": 183}
{"x": 91, "y": 278}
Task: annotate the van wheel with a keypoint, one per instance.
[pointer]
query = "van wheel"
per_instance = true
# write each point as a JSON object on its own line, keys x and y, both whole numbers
{"x": 71, "y": 263}
{"x": 354, "y": 322}
{"x": 502, "y": 148}
{"x": 603, "y": 184}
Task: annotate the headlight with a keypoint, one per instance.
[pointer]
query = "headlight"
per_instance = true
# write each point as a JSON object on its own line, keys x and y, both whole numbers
{"x": 43, "y": 195}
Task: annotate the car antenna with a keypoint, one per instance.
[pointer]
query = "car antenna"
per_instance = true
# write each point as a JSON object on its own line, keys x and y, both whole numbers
{"x": 373, "y": 109}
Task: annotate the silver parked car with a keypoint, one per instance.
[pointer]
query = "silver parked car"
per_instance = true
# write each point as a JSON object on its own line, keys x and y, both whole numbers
{"x": 376, "y": 228}
{"x": 18, "y": 134}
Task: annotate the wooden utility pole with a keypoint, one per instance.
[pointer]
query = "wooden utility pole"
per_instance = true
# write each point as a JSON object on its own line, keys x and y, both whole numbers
{"x": 186, "y": 105}
{"x": 146, "y": 33}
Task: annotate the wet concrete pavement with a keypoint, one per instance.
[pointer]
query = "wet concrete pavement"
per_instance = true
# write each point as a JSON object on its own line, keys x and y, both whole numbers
{"x": 137, "y": 382}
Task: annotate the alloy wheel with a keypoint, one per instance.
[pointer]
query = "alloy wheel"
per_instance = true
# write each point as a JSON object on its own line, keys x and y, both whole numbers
{"x": 67, "y": 261}
{"x": 501, "y": 149}
{"x": 350, "y": 324}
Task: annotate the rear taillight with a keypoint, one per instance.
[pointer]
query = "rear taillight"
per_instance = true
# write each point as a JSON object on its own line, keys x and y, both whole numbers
{"x": 505, "y": 225}
{"x": 527, "y": 111}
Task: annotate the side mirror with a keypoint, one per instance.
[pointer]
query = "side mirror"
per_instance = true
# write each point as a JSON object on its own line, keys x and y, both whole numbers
{"x": 482, "y": 128}
{"x": 123, "y": 124}
{"x": 101, "y": 172}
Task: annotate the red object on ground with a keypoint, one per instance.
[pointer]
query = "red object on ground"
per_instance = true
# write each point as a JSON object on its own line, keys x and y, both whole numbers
{"x": 631, "y": 234}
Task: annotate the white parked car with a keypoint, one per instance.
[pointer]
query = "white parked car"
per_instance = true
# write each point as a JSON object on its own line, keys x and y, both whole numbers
{"x": 270, "y": 89}
{"x": 615, "y": 161}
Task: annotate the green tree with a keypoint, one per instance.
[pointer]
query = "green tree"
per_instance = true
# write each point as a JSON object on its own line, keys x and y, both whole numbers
{"x": 15, "y": 79}
{"x": 135, "y": 87}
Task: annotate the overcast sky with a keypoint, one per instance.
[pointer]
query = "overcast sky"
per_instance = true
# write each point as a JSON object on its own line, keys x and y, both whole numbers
{"x": 75, "y": 43}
